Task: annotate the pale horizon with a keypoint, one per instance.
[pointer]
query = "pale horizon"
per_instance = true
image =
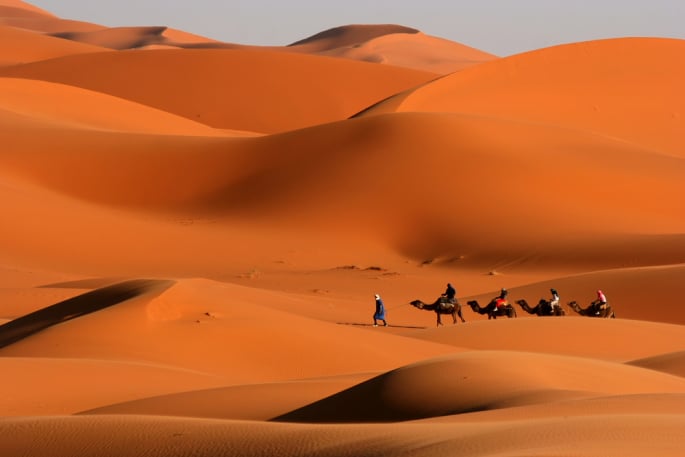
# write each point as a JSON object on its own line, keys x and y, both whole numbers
{"x": 498, "y": 27}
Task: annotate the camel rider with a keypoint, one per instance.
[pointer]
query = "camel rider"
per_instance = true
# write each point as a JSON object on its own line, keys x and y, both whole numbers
{"x": 601, "y": 302}
{"x": 501, "y": 299}
{"x": 554, "y": 302}
{"x": 450, "y": 295}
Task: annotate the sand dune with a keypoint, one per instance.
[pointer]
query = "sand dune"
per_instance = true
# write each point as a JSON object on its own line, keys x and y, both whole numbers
{"x": 470, "y": 382}
{"x": 25, "y": 326}
{"x": 122, "y": 38}
{"x": 35, "y": 46}
{"x": 259, "y": 402}
{"x": 39, "y": 103}
{"x": 320, "y": 189}
{"x": 380, "y": 43}
{"x": 203, "y": 85}
{"x": 10, "y": 5}
{"x": 51, "y": 386}
{"x": 196, "y": 321}
{"x": 673, "y": 363}
{"x": 193, "y": 233}
{"x": 597, "y": 86}
{"x": 26, "y": 16}
{"x": 572, "y": 336}
{"x": 418, "y": 51}
{"x": 393, "y": 45}
{"x": 111, "y": 435}
{"x": 342, "y": 36}
{"x": 117, "y": 37}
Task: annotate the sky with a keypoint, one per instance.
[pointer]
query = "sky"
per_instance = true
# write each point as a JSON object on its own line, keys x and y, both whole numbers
{"x": 500, "y": 27}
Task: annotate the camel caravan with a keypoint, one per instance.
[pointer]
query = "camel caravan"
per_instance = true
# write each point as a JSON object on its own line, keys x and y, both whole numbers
{"x": 447, "y": 304}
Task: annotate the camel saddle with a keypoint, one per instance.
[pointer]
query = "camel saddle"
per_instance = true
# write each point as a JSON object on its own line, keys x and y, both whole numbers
{"x": 447, "y": 303}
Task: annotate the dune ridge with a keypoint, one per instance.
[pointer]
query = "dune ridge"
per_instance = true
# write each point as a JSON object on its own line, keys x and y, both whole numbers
{"x": 25, "y": 326}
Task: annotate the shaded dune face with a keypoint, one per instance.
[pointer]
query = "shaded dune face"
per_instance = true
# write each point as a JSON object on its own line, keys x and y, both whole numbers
{"x": 349, "y": 35}
{"x": 460, "y": 384}
{"x": 251, "y": 179}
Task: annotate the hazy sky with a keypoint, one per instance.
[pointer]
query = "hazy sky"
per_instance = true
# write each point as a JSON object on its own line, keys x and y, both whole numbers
{"x": 501, "y": 27}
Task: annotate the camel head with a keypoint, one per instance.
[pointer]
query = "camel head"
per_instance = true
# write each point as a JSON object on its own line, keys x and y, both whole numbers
{"x": 473, "y": 304}
{"x": 417, "y": 304}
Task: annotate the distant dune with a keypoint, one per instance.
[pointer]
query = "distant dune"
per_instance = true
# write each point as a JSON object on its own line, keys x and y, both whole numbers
{"x": 207, "y": 88}
{"x": 35, "y": 46}
{"x": 194, "y": 232}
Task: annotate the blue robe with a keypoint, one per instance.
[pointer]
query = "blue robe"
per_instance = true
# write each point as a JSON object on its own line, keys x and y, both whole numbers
{"x": 380, "y": 310}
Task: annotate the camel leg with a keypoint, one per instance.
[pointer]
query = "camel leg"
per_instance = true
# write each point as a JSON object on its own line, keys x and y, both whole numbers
{"x": 437, "y": 313}
{"x": 460, "y": 316}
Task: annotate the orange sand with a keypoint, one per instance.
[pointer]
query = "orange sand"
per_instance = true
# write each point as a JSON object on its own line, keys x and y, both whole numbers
{"x": 193, "y": 234}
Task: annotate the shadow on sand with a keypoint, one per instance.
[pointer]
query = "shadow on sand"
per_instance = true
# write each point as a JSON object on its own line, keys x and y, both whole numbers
{"x": 87, "y": 303}
{"x": 371, "y": 325}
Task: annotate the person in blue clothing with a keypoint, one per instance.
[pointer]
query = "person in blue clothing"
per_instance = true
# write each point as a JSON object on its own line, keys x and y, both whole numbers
{"x": 379, "y": 315}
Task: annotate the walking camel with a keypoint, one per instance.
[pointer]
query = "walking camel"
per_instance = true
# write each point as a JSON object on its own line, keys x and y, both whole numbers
{"x": 492, "y": 310}
{"x": 441, "y": 306}
{"x": 594, "y": 309}
{"x": 543, "y": 308}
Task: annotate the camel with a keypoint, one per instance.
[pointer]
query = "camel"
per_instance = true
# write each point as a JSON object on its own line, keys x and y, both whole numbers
{"x": 543, "y": 308}
{"x": 491, "y": 309}
{"x": 593, "y": 310}
{"x": 441, "y": 307}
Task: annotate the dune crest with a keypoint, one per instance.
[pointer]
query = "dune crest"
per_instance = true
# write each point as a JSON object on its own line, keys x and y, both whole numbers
{"x": 349, "y": 35}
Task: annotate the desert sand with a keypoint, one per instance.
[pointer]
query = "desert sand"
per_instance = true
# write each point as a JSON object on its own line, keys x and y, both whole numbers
{"x": 193, "y": 233}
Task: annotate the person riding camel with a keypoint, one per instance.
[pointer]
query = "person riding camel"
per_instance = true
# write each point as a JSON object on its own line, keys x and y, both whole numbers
{"x": 601, "y": 302}
{"x": 501, "y": 299}
{"x": 450, "y": 293}
{"x": 449, "y": 297}
{"x": 554, "y": 302}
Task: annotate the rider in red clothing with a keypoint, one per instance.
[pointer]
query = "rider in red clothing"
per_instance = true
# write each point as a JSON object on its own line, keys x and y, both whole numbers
{"x": 501, "y": 300}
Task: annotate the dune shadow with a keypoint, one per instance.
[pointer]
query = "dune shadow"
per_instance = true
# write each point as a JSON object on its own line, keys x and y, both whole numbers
{"x": 371, "y": 325}
{"x": 91, "y": 283}
{"x": 74, "y": 307}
